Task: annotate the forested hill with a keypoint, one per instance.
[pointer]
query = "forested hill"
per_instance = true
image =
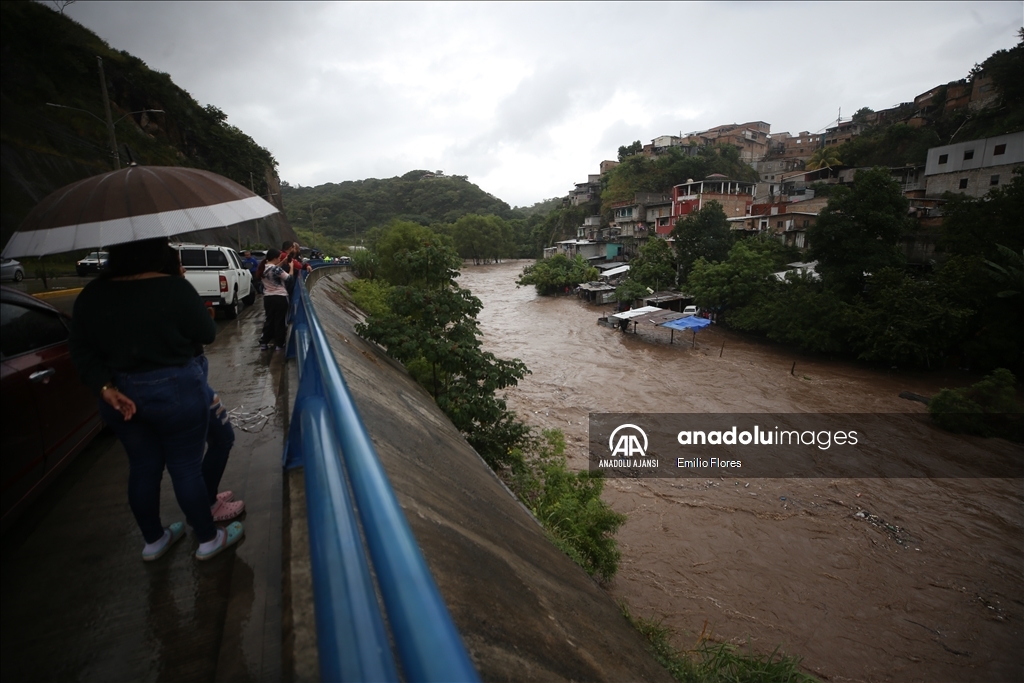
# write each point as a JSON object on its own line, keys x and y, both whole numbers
{"x": 350, "y": 208}
{"x": 47, "y": 57}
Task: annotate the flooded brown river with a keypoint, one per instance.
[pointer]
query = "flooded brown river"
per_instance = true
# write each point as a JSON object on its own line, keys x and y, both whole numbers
{"x": 778, "y": 562}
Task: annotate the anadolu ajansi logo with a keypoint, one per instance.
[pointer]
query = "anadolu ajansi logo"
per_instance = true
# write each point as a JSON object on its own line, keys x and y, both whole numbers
{"x": 628, "y": 445}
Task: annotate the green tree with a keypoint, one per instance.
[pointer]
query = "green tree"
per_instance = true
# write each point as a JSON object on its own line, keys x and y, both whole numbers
{"x": 974, "y": 226}
{"x": 704, "y": 234}
{"x": 733, "y": 283}
{"x": 907, "y": 321}
{"x": 1007, "y": 70}
{"x": 430, "y": 325}
{"x": 862, "y": 114}
{"x": 558, "y": 225}
{"x": 1011, "y": 275}
{"x": 403, "y": 248}
{"x": 631, "y": 290}
{"x": 553, "y": 275}
{"x": 858, "y": 231}
{"x": 654, "y": 266}
{"x": 824, "y": 157}
{"x": 482, "y": 238}
{"x": 987, "y": 408}
{"x": 630, "y": 150}
{"x": 798, "y": 312}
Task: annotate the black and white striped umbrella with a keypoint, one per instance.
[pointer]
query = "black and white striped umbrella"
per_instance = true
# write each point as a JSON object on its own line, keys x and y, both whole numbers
{"x": 135, "y": 203}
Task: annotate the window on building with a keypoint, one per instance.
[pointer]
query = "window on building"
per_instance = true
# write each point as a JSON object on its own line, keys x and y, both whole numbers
{"x": 779, "y": 224}
{"x": 943, "y": 158}
{"x": 968, "y": 155}
{"x": 807, "y": 222}
{"x": 994, "y": 180}
{"x": 963, "y": 183}
{"x": 999, "y": 149}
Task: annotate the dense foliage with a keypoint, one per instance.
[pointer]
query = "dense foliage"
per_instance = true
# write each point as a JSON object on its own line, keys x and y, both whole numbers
{"x": 653, "y": 269}
{"x": 638, "y": 173}
{"x": 987, "y": 408}
{"x": 569, "y": 505}
{"x": 47, "y": 57}
{"x": 557, "y": 274}
{"x": 351, "y": 208}
{"x": 430, "y": 325}
{"x": 703, "y": 234}
{"x": 423, "y": 318}
{"x": 858, "y": 232}
{"x": 866, "y": 301}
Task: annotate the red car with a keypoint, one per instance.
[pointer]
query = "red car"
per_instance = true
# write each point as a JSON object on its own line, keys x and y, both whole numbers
{"x": 48, "y": 414}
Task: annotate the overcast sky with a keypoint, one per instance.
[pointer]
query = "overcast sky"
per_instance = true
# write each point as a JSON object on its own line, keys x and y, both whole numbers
{"x": 527, "y": 99}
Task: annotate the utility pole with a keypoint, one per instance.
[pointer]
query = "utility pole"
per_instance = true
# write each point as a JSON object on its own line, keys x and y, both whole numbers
{"x": 110, "y": 121}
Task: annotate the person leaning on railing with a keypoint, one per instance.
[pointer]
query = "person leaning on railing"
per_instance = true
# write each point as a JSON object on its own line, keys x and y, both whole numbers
{"x": 275, "y": 301}
{"x": 134, "y": 334}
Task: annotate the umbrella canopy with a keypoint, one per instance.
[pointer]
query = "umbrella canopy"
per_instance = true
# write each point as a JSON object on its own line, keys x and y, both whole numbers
{"x": 135, "y": 203}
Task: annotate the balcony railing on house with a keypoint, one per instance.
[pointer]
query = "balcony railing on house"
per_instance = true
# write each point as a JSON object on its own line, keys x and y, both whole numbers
{"x": 349, "y": 499}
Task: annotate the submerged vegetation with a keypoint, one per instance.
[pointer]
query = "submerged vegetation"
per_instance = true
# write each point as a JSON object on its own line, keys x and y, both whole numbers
{"x": 424, "y": 319}
{"x": 558, "y": 273}
{"x": 986, "y": 408}
{"x": 709, "y": 662}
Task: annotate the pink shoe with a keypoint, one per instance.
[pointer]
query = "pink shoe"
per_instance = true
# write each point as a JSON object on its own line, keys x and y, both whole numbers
{"x": 225, "y": 496}
{"x": 222, "y": 511}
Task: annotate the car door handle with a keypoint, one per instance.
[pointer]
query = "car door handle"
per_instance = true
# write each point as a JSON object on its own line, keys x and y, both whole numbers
{"x": 42, "y": 375}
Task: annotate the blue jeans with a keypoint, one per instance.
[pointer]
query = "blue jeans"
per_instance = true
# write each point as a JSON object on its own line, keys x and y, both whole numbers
{"x": 220, "y": 437}
{"x": 169, "y": 429}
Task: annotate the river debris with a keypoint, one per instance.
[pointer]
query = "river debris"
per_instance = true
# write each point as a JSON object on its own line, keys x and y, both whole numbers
{"x": 252, "y": 422}
{"x": 896, "y": 533}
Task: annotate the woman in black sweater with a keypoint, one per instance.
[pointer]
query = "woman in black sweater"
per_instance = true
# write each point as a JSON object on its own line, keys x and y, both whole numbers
{"x": 133, "y": 338}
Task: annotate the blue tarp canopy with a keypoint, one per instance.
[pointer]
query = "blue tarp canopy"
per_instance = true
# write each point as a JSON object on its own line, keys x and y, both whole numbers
{"x": 689, "y": 323}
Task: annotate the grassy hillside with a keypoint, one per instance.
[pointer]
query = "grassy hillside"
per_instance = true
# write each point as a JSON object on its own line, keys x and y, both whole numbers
{"x": 351, "y": 208}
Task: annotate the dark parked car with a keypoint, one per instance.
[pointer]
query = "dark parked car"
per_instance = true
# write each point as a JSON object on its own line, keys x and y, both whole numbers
{"x": 48, "y": 414}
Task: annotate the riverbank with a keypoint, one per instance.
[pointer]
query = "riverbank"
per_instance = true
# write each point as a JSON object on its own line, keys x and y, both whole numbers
{"x": 808, "y": 564}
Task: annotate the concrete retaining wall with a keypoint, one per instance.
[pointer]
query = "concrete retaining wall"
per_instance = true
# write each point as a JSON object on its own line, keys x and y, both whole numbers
{"x": 525, "y": 610}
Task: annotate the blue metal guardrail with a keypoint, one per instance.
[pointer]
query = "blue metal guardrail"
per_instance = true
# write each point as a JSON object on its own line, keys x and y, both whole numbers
{"x": 343, "y": 474}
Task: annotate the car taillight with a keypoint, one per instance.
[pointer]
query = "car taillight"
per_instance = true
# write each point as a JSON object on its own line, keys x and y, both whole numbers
{"x": 223, "y": 284}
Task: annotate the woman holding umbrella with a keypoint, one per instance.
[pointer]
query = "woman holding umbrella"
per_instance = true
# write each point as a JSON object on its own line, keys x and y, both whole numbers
{"x": 152, "y": 386}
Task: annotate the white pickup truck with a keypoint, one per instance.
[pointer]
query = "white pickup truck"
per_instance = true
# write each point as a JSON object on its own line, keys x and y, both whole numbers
{"x": 218, "y": 275}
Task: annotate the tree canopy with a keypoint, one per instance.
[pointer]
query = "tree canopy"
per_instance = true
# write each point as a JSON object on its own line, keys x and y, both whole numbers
{"x": 555, "y": 274}
{"x": 858, "y": 231}
{"x": 638, "y": 173}
{"x": 353, "y": 207}
{"x": 703, "y": 234}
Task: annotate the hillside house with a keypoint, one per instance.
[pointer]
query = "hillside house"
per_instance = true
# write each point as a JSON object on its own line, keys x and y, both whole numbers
{"x": 591, "y": 229}
{"x": 802, "y": 146}
{"x": 735, "y": 196}
{"x": 973, "y": 167}
{"x": 844, "y": 131}
{"x": 586, "y": 192}
{"x": 752, "y": 138}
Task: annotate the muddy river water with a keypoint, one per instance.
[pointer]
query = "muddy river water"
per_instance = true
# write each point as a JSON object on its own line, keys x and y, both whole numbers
{"x": 811, "y": 566}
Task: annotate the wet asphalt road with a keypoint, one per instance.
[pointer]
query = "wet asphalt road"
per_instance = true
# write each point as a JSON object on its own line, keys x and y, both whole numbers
{"x": 79, "y": 604}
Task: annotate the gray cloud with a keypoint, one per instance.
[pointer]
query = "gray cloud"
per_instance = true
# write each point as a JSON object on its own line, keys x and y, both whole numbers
{"x": 527, "y": 98}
